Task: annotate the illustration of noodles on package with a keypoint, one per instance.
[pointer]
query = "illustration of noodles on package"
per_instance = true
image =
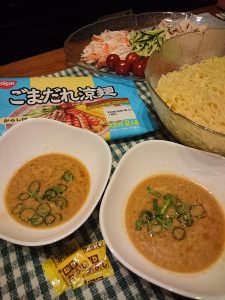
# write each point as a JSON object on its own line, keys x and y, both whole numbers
{"x": 107, "y": 106}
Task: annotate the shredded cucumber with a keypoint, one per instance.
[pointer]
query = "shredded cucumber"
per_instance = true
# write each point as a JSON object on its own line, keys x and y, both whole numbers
{"x": 144, "y": 42}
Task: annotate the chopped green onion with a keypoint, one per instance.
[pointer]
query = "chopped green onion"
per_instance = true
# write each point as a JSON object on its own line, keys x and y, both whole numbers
{"x": 154, "y": 228}
{"x": 145, "y": 216}
{"x": 181, "y": 207}
{"x": 24, "y": 196}
{"x": 61, "y": 202}
{"x": 164, "y": 222}
{"x": 58, "y": 189}
{"x": 186, "y": 219}
{"x": 43, "y": 212}
{"x": 151, "y": 191}
{"x": 50, "y": 194}
{"x": 54, "y": 191}
{"x": 166, "y": 204}
{"x": 43, "y": 209}
{"x": 165, "y": 214}
{"x": 158, "y": 210}
{"x": 62, "y": 187}
{"x": 38, "y": 198}
{"x": 36, "y": 220}
{"x": 168, "y": 196}
{"x": 173, "y": 199}
{"x": 67, "y": 176}
{"x": 138, "y": 225}
{"x": 155, "y": 204}
{"x": 17, "y": 209}
{"x": 198, "y": 211}
{"x": 49, "y": 219}
{"x": 26, "y": 214}
{"x": 34, "y": 187}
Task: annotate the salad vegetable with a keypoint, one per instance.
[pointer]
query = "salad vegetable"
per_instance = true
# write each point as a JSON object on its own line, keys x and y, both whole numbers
{"x": 144, "y": 42}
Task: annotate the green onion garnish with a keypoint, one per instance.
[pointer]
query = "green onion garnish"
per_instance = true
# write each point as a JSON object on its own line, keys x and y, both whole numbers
{"x": 67, "y": 176}
{"x": 166, "y": 209}
{"x": 153, "y": 192}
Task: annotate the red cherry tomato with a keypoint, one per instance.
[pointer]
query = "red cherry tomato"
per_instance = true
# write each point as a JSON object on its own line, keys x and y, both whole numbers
{"x": 139, "y": 68}
{"x": 132, "y": 58}
{"x": 112, "y": 60}
{"x": 122, "y": 67}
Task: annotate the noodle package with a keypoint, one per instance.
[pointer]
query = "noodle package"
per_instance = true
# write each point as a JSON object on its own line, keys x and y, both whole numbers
{"x": 108, "y": 106}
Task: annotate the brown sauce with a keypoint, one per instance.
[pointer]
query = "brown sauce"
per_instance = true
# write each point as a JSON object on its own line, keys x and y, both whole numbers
{"x": 203, "y": 242}
{"x": 47, "y": 190}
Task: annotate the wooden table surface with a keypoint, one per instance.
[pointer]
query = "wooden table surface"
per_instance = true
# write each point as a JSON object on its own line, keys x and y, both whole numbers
{"x": 54, "y": 61}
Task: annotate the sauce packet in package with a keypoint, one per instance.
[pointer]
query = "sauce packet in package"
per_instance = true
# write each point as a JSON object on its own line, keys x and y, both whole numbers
{"x": 108, "y": 106}
{"x": 84, "y": 266}
{"x": 101, "y": 266}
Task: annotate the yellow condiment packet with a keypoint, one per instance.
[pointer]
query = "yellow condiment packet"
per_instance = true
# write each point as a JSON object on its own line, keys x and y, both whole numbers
{"x": 73, "y": 268}
{"x": 60, "y": 254}
{"x": 54, "y": 277}
{"x": 50, "y": 266}
{"x": 68, "y": 273}
{"x": 83, "y": 266}
{"x": 101, "y": 266}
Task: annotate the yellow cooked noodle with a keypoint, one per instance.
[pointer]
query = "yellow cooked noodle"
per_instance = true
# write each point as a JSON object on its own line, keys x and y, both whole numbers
{"x": 197, "y": 92}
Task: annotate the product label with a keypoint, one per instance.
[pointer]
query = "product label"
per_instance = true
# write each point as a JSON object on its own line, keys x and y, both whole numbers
{"x": 105, "y": 105}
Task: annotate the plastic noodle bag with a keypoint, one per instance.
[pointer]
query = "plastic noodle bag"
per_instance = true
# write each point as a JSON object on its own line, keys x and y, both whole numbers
{"x": 108, "y": 106}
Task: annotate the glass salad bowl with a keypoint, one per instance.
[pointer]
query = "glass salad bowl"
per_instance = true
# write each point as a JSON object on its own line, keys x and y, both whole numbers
{"x": 75, "y": 43}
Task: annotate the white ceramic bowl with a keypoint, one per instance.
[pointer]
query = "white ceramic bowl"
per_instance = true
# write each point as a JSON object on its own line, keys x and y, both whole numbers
{"x": 140, "y": 162}
{"x": 34, "y": 137}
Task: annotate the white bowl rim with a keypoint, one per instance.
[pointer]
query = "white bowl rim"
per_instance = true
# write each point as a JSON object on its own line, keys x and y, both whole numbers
{"x": 101, "y": 141}
{"x": 108, "y": 240}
